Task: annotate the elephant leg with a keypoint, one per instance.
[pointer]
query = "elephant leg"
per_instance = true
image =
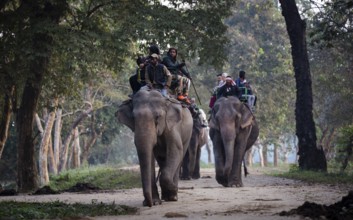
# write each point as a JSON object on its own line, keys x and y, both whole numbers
{"x": 155, "y": 195}
{"x": 196, "y": 174}
{"x": 169, "y": 173}
{"x": 235, "y": 176}
{"x": 219, "y": 156}
{"x": 146, "y": 158}
{"x": 185, "y": 167}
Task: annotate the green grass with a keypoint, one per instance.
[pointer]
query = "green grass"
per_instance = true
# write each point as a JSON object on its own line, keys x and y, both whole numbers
{"x": 206, "y": 165}
{"x": 104, "y": 177}
{"x": 55, "y": 210}
{"x": 293, "y": 172}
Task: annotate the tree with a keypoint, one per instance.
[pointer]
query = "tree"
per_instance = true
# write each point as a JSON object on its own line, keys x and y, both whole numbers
{"x": 310, "y": 156}
{"x": 61, "y": 45}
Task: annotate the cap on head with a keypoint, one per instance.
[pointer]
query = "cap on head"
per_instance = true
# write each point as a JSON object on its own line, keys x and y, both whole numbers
{"x": 154, "y": 55}
{"x": 224, "y": 74}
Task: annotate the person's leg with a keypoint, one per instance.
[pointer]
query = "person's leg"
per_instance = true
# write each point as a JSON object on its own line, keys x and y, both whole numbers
{"x": 186, "y": 86}
{"x": 134, "y": 84}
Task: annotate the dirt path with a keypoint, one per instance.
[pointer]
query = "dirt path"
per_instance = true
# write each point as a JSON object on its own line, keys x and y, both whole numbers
{"x": 261, "y": 198}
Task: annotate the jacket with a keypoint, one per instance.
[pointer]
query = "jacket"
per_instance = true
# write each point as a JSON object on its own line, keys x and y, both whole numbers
{"x": 174, "y": 66}
{"x": 159, "y": 76}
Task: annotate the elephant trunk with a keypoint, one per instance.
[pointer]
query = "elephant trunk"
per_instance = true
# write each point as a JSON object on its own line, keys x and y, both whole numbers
{"x": 228, "y": 138}
{"x": 145, "y": 140}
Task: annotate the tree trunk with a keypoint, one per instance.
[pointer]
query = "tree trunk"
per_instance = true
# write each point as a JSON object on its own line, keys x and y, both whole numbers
{"x": 52, "y": 163}
{"x": 27, "y": 173}
{"x": 261, "y": 155}
{"x": 64, "y": 152}
{"x": 310, "y": 157}
{"x": 92, "y": 140}
{"x": 76, "y": 163}
{"x": 6, "y": 117}
{"x": 275, "y": 155}
{"x": 57, "y": 137}
{"x": 264, "y": 155}
{"x": 43, "y": 149}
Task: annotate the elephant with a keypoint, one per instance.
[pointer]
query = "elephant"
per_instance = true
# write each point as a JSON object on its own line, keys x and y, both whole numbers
{"x": 233, "y": 130}
{"x": 199, "y": 137}
{"x": 162, "y": 131}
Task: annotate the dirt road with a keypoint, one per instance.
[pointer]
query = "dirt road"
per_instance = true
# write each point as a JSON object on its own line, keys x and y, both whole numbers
{"x": 262, "y": 197}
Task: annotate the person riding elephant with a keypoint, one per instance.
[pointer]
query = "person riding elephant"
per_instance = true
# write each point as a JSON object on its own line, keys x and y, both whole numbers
{"x": 162, "y": 131}
{"x": 179, "y": 73}
{"x": 191, "y": 162}
{"x": 158, "y": 76}
{"x": 233, "y": 130}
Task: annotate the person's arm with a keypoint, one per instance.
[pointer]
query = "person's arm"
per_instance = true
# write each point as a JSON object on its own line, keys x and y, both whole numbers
{"x": 220, "y": 92}
{"x": 147, "y": 77}
{"x": 168, "y": 75}
{"x": 185, "y": 73}
{"x": 169, "y": 64}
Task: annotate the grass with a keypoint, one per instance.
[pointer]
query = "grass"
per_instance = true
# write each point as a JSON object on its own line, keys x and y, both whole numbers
{"x": 293, "y": 172}
{"x": 104, "y": 177}
{"x": 55, "y": 210}
{"x": 206, "y": 165}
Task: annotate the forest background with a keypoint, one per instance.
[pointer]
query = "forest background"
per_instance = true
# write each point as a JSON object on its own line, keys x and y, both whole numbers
{"x": 77, "y": 57}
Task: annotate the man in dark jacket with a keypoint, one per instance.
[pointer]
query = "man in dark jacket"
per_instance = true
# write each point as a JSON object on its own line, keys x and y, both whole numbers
{"x": 138, "y": 79}
{"x": 228, "y": 89}
{"x": 179, "y": 74}
{"x": 158, "y": 76}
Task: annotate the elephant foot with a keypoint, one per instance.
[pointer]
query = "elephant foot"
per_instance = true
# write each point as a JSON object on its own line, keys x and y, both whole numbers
{"x": 147, "y": 203}
{"x": 185, "y": 178}
{"x": 223, "y": 181}
{"x": 150, "y": 204}
{"x": 236, "y": 184}
{"x": 196, "y": 176}
{"x": 169, "y": 196}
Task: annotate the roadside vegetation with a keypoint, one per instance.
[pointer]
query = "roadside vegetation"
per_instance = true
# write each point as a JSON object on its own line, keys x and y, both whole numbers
{"x": 101, "y": 177}
{"x": 104, "y": 177}
{"x": 292, "y": 171}
{"x": 59, "y": 210}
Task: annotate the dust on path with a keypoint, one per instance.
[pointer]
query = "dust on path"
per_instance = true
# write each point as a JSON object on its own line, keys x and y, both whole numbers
{"x": 262, "y": 197}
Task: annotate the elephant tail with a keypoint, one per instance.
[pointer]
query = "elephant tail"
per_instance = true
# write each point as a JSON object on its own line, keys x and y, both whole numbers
{"x": 246, "y": 172}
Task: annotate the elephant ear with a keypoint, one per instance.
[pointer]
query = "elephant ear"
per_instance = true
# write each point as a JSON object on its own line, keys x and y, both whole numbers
{"x": 247, "y": 117}
{"x": 124, "y": 114}
{"x": 173, "y": 115}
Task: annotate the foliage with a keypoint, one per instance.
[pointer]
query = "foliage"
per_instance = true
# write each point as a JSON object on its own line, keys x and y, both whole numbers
{"x": 330, "y": 49}
{"x": 317, "y": 177}
{"x": 257, "y": 47}
{"x": 334, "y": 24}
{"x": 104, "y": 177}
{"x": 344, "y": 146}
{"x": 55, "y": 210}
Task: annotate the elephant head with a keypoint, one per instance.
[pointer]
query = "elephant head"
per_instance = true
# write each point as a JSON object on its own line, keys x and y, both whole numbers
{"x": 160, "y": 129}
{"x": 231, "y": 125}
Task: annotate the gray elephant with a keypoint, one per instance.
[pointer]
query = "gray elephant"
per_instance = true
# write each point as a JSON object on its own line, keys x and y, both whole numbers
{"x": 233, "y": 130}
{"x": 191, "y": 161}
{"x": 162, "y": 131}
